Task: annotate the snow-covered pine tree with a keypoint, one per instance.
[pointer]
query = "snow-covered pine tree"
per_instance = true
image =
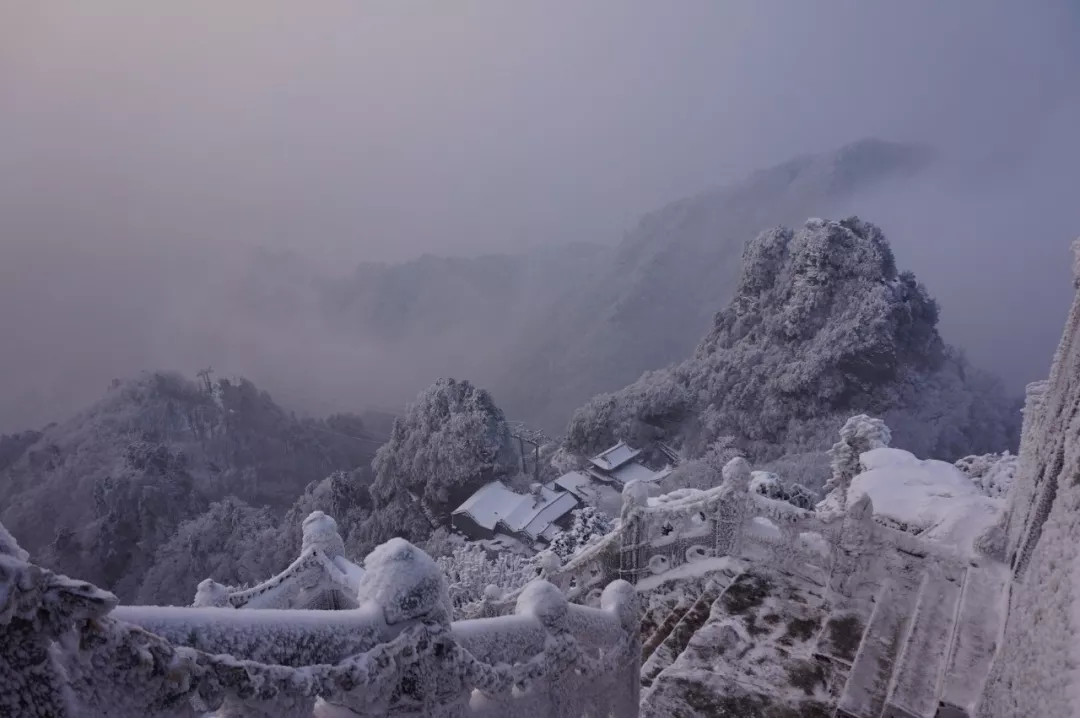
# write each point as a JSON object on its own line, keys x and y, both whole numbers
{"x": 228, "y": 542}
{"x": 858, "y": 435}
{"x": 588, "y": 524}
{"x": 469, "y": 572}
{"x": 451, "y": 441}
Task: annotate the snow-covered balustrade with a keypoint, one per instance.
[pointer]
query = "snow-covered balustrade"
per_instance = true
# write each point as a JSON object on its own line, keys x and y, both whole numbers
{"x": 841, "y": 550}
{"x": 793, "y": 539}
{"x": 320, "y": 578}
{"x": 397, "y": 654}
{"x": 585, "y": 574}
{"x": 582, "y": 578}
{"x": 686, "y": 526}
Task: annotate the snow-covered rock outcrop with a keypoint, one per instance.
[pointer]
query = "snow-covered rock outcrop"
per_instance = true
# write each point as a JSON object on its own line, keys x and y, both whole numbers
{"x": 1037, "y": 670}
{"x": 822, "y": 326}
{"x": 932, "y": 499}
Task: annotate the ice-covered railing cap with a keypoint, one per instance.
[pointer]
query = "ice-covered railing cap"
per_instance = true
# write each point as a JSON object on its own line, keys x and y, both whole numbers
{"x": 545, "y": 601}
{"x": 321, "y": 531}
{"x": 548, "y": 562}
{"x": 737, "y": 474}
{"x": 210, "y": 593}
{"x": 622, "y": 599}
{"x": 52, "y": 603}
{"x": 406, "y": 583}
{"x": 635, "y": 493}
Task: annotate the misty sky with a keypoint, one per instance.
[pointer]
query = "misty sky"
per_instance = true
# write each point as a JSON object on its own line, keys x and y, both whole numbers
{"x": 385, "y": 129}
{"x": 350, "y": 130}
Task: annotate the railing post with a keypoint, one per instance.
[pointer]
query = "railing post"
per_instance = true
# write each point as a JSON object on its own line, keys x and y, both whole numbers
{"x": 856, "y": 540}
{"x": 211, "y": 594}
{"x": 732, "y": 514}
{"x": 547, "y": 604}
{"x": 621, "y": 599}
{"x": 321, "y": 531}
{"x": 550, "y": 566}
{"x": 632, "y": 530}
{"x": 412, "y": 593}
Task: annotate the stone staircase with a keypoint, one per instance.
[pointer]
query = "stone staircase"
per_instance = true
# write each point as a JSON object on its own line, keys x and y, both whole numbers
{"x": 920, "y": 648}
{"x": 673, "y": 635}
{"x": 927, "y": 647}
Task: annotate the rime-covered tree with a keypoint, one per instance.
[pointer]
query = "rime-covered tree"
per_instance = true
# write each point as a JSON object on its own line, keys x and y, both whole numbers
{"x": 858, "y": 435}
{"x": 470, "y": 571}
{"x": 451, "y": 441}
{"x": 228, "y": 542}
{"x": 345, "y": 496}
{"x": 822, "y": 326}
{"x": 588, "y": 524}
{"x": 96, "y": 496}
{"x": 993, "y": 473}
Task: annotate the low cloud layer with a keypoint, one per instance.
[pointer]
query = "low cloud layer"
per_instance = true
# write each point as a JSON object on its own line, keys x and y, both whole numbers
{"x": 145, "y": 147}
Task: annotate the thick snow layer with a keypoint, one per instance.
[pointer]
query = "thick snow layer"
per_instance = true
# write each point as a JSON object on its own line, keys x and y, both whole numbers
{"x": 575, "y": 482}
{"x": 490, "y": 504}
{"x": 931, "y": 498}
{"x": 495, "y": 504}
{"x": 633, "y": 471}
{"x": 615, "y": 457}
{"x": 405, "y": 582}
{"x": 353, "y": 573}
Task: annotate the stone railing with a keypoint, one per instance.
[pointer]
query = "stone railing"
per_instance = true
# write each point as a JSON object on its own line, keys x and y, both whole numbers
{"x": 582, "y": 578}
{"x": 320, "y": 578}
{"x": 844, "y": 551}
{"x": 68, "y": 651}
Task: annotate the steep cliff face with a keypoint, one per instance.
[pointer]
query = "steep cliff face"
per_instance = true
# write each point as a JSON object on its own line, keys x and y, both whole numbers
{"x": 1037, "y": 670}
{"x": 821, "y": 327}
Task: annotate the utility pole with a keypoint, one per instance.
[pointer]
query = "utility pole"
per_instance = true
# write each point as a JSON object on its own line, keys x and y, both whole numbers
{"x": 204, "y": 374}
{"x": 533, "y": 437}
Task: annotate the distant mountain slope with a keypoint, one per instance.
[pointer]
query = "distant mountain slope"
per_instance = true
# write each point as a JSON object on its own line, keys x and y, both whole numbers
{"x": 821, "y": 327}
{"x": 437, "y": 316}
{"x": 655, "y": 294}
{"x": 96, "y": 495}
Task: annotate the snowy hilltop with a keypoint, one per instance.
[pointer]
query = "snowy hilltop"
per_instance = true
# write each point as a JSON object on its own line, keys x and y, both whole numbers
{"x": 647, "y": 302}
{"x": 822, "y": 326}
{"x": 163, "y": 472}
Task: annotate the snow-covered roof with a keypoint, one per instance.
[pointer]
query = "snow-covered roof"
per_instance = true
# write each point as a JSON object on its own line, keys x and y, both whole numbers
{"x": 550, "y": 532}
{"x": 495, "y": 504}
{"x": 554, "y": 511}
{"x": 575, "y": 482}
{"x": 534, "y": 514}
{"x": 490, "y": 504}
{"x": 634, "y": 471}
{"x": 615, "y": 457}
